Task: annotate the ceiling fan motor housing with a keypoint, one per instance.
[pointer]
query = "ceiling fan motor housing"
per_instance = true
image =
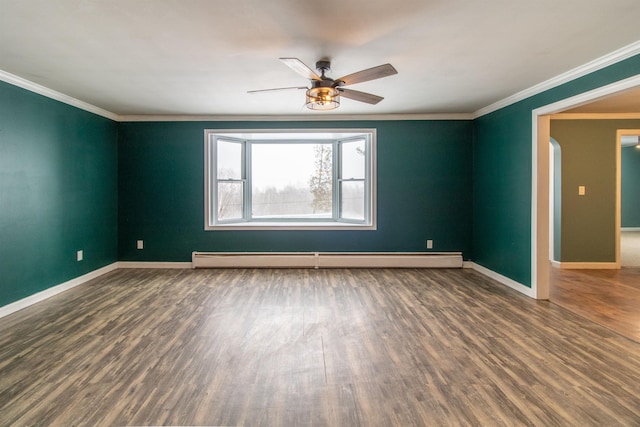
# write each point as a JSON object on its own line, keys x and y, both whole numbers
{"x": 323, "y": 66}
{"x": 326, "y": 82}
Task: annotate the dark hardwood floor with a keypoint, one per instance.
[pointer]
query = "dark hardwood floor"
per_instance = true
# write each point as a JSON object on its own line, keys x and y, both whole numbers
{"x": 608, "y": 297}
{"x": 310, "y": 347}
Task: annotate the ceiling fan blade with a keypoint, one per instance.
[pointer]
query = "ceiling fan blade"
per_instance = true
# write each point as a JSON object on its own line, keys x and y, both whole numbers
{"x": 356, "y": 95}
{"x": 299, "y": 67}
{"x": 277, "y": 88}
{"x": 368, "y": 74}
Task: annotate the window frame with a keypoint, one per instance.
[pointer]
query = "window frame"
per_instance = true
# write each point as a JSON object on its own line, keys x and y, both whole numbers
{"x": 250, "y": 137}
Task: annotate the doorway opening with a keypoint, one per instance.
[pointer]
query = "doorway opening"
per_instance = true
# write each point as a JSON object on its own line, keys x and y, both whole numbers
{"x": 606, "y": 291}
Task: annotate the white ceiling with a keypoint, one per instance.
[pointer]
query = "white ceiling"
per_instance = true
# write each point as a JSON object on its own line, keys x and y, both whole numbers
{"x": 199, "y": 57}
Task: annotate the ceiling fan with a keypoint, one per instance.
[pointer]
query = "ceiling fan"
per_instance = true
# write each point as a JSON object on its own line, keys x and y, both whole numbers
{"x": 325, "y": 92}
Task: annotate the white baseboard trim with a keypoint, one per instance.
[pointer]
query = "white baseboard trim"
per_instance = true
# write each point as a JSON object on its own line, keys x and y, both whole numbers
{"x": 153, "y": 264}
{"x": 588, "y": 265}
{"x": 504, "y": 280}
{"x": 630, "y": 229}
{"x": 55, "y": 290}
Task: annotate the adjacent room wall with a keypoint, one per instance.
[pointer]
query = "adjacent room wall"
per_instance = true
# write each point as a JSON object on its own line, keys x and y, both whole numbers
{"x": 630, "y": 194}
{"x": 502, "y": 174}
{"x": 58, "y": 192}
{"x": 589, "y": 159}
{"x": 423, "y": 192}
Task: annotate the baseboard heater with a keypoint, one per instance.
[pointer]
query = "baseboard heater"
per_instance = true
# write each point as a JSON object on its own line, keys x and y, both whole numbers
{"x": 326, "y": 260}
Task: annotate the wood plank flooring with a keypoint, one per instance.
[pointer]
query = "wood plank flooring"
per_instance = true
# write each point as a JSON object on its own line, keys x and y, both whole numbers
{"x": 608, "y": 297}
{"x": 310, "y": 347}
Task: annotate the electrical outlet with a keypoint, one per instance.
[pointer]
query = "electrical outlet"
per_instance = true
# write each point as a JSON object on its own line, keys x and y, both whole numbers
{"x": 582, "y": 190}
{"x": 140, "y": 244}
{"x": 429, "y": 244}
{"x": 79, "y": 256}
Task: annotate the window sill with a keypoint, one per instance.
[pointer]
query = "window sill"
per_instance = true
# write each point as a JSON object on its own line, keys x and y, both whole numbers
{"x": 283, "y": 226}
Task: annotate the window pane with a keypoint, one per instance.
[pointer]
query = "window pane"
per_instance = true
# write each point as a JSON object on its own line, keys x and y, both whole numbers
{"x": 291, "y": 180}
{"x": 229, "y": 159}
{"x": 352, "y": 200}
{"x": 353, "y": 159}
{"x": 229, "y": 200}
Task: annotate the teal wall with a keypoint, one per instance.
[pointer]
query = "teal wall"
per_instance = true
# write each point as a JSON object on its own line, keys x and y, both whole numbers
{"x": 502, "y": 171}
{"x": 58, "y": 192}
{"x": 423, "y": 192}
{"x": 71, "y": 180}
{"x": 630, "y": 187}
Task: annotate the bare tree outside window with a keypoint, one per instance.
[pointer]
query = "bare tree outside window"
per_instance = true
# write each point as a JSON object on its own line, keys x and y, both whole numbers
{"x": 321, "y": 182}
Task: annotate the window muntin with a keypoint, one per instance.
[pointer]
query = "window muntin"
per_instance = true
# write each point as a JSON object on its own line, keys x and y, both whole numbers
{"x": 352, "y": 179}
{"x": 296, "y": 180}
{"x": 230, "y": 180}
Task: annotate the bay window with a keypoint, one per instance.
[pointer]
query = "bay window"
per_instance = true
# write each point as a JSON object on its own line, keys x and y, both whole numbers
{"x": 302, "y": 179}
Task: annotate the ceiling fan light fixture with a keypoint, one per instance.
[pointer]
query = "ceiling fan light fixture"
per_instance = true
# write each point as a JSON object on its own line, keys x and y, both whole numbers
{"x": 323, "y": 98}
{"x": 325, "y": 92}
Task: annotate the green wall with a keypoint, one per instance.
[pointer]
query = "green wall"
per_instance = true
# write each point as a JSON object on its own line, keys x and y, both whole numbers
{"x": 58, "y": 192}
{"x": 71, "y": 180}
{"x": 502, "y": 174}
{"x": 630, "y": 187}
{"x": 423, "y": 192}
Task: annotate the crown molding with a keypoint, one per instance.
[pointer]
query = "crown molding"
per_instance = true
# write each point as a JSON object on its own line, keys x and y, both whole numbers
{"x": 50, "y": 93}
{"x": 58, "y": 96}
{"x": 291, "y": 118}
{"x": 595, "y": 65}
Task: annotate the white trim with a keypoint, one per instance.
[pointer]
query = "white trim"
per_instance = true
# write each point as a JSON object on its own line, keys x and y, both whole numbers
{"x": 597, "y": 116}
{"x": 291, "y": 226}
{"x": 620, "y": 133}
{"x": 293, "y": 118}
{"x": 50, "y": 93}
{"x": 590, "y": 67}
{"x": 58, "y": 96}
{"x": 629, "y": 228}
{"x": 588, "y": 265}
{"x": 55, "y": 290}
{"x": 504, "y": 280}
{"x": 154, "y": 264}
{"x": 327, "y": 259}
{"x": 534, "y": 201}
